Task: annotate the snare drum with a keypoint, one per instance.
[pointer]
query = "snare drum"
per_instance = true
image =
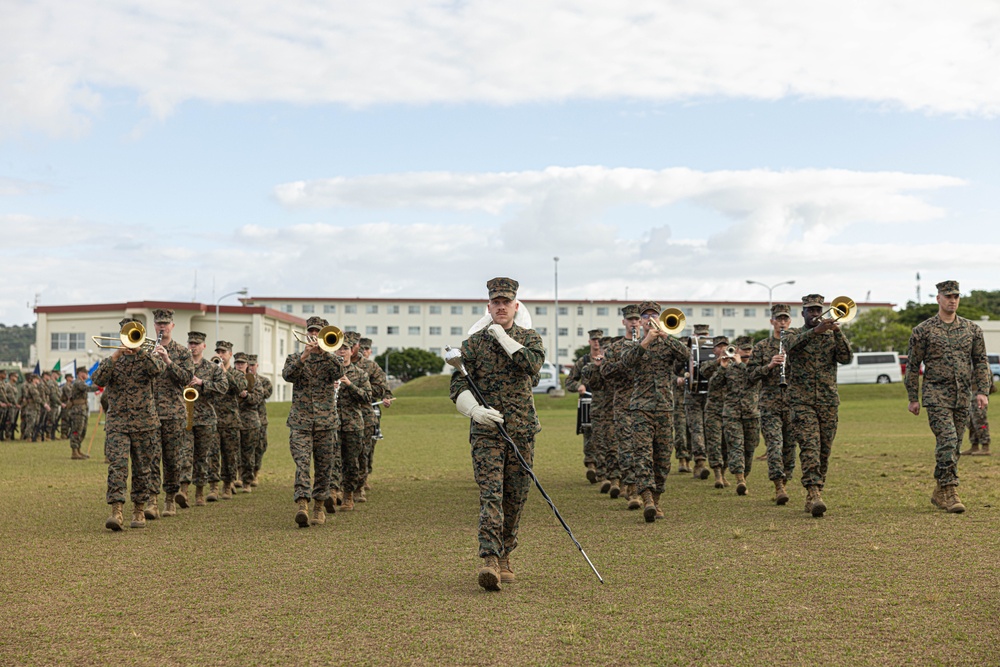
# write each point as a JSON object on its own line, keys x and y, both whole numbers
{"x": 583, "y": 412}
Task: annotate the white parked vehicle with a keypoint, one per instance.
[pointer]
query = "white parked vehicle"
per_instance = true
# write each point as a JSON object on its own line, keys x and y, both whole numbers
{"x": 871, "y": 367}
{"x": 548, "y": 379}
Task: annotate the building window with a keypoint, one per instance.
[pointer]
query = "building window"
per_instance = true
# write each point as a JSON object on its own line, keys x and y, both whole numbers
{"x": 579, "y": 310}
{"x": 541, "y": 310}
{"x": 413, "y": 331}
{"x": 281, "y": 347}
{"x": 350, "y": 327}
{"x": 579, "y": 331}
{"x": 456, "y": 331}
{"x": 748, "y": 332}
{"x": 602, "y": 311}
{"x": 749, "y": 312}
{"x": 688, "y": 311}
{"x": 392, "y": 310}
{"x": 434, "y": 331}
{"x": 563, "y": 331}
{"x": 308, "y": 308}
{"x": 563, "y": 352}
{"x": 327, "y": 308}
{"x": 708, "y": 312}
{"x": 434, "y": 310}
{"x": 413, "y": 310}
{"x": 542, "y": 331}
{"x": 621, "y": 331}
{"x": 456, "y": 310}
{"x": 729, "y": 333}
{"x": 69, "y": 341}
{"x": 392, "y": 331}
{"x": 434, "y": 350}
{"x": 371, "y": 330}
{"x": 477, "y": 310}
{"x": 729, "y": 312}
{"x": 350, "y": 310}
{"x": 287, "y": 307}
{"x": 371, "y": 309}
{"x": 563, "y": 310}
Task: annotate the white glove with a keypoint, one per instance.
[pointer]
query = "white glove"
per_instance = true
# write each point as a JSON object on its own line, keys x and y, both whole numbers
{"x": 509, "y": 345}
{"x": 469, "y": 406}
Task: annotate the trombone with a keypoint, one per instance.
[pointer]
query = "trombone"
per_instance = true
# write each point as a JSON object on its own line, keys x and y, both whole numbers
{"x": 841, "y": 310}
{"x": 132, "y": 337}
{"x": 671, "y": 321}
{"x": 329, "y": 338}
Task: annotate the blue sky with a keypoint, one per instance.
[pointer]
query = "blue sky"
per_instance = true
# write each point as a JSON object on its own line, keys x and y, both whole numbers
{"x": 418, "y": 149}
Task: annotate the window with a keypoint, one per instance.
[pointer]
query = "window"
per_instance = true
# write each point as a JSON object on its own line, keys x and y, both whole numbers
{"x": 579, "y": 310}
{"x": 434, "y": 310}
{"x": 541, "y": 310}
{"x": 288, "y": 307}
{"x": 371, "y": 309}
{"x": 392, "y": 331}
{"x": 688, "y": 311}
{"x": 563, "y": 331}
{"x": 865, "y": 359}
{"x": 308, "y": 308}
{"x": 413, "y": 331}
{"x": 392, "y": 310}
{"x": 621, "y": 331}
{"x": 748, "y": 332}
{"x": 563, "y": 352}
{"x": 350, "y": 327}
{"x": 434, "y": 331}
{"x": 749, "y": 312}
{"x": 456, "y": 310}
{"x": 729, "y": 312}
{"x": 708, "y": 312}
{"x": 327, "y": 308}
{"x": 542, "y": 331}
{"x": 371, "y": 330}
{"x": 350, "y": 309}
{"x": 434, "y": 350}
{"x": 456, "y": 331}
{"x": 69, "y": 341}
{"x": 729, "y": 333}
{"x": 477, "y": 310}
{"x": 413, "y": 310}
{"x": 602, "y": 311}
{"x": 579, "y": 331}
{"x": 281, "y": 347}
{"x": 563, "y": 310}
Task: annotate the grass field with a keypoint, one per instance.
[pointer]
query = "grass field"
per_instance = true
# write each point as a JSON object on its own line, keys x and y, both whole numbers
{"x": 882, "y": 579}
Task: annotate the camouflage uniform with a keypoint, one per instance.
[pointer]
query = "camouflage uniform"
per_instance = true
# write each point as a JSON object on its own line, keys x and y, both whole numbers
{"x": 602, "y": 434}
{"x": 199, "y": 467}
{"x": 266, "y": 390}
{"x": 131, "y": 423}
{"x": 77, "y": 412}
{"x": 979, "y": 425}
{"x": 505, "y": 382}
{"x": 14, "y": 409}
{"x": 775, "y": 414}
{"x": 573, "y": 382}
{"x": 811, "y": 369}
{"x": 351, "y": 401}
{"x": 716, "y": 446}
{"x": 694, "y": 398}
{"x": 380, "y": 390}
{"x": 249, "y": 428}
{"x": 740, "y": 413}
{"x": 169, "y": 388}
{"x": 618, "y": 382}
{"x": 681, "y": 448}
{"x": 8, "y": 398}
{"x": 31, "y": 408}
{"x": 312, "y": 419}
{"x": 227, "y": 410}
{"x": 64, "y": 392}
{"x": 955, "y": 368}
{"x": 55, "y": 408}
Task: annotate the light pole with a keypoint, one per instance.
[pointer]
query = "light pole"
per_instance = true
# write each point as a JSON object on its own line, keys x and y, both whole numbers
{"x": 388, "y": 351}
{"x": 556, "y": 358}
{"x": 770, "y": 290}
{"x": 242, "y": 291}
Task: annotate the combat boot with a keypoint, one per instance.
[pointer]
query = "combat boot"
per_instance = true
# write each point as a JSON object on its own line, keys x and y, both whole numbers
{"x": 238, "y": 484}
{"x": 591, "y": 473}
{"x": 506, "y": 574}
{"x": 152, "y": 510}
{"x": 938, "y": 497}
{"x": 489, "y": 573}
{"x": 318, "y": 516}
{"x": 633, "y": 498}
{"x": 359, "y": 496}
{"x": 247, "y": 488}
{"x": 169, "y": 508}
{"x": 656, "y": 504}
{"x": 348, "y": 502}
{"x": 330, "y": 505}
{"x": 227, "y": 491}
{"x": 780, "y": 495}
{"x": 138, "y": 516}
{"x": 971, "y": 451}
{"x": 199, "y": 496}
{"x": 951, "y": 501}
{"x": 213, "y": 492}
{"x": 700, "y": 471}
{"x": 741, "y": 484}
{"x": 814, "y": 501}
{"x": 616, "y": 488}
{"x": 648, "y": 506}
{"x": 367, "y": 486}
{"x": 683, "y": 465}
{"x": 181, "y": 497}
{"x": 76, "y": 454}
{"x": 985, "y": 450}
{"x": 302, "y": 513}
{"x": 116, "y": 520}
{"x": 83, "y": 455}
{"x": 606, "y": 486}
{"x": 720, "y": 483}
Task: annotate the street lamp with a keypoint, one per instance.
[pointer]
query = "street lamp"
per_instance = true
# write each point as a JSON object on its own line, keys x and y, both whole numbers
{"x": 770, "y": 290}
{"x": 242, "y": 291}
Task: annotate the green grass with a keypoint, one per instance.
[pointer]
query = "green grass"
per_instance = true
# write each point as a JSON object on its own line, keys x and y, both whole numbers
{"x": 883, "y": 579}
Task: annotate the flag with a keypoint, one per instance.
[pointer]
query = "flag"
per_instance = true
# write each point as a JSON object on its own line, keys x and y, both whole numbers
{"x": 58, "y": 366}
{"x": 69, "y": 370}
{"x": 38, "y": 368}
{"x": 90, "y": 373}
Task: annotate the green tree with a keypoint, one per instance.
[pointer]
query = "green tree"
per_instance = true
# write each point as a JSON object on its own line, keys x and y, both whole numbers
{"x": 580, "y": 351}
{"x": 879, "y": 330}
{"x": 987, "y": 301}
{"x": 16, "y": 342}
{"x": 760, "y": 335}
{"x": 914, "y": 314}
{"x": 410, "y": 363}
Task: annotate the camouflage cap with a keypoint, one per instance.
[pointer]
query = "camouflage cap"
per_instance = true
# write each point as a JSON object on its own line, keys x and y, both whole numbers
{"x": 3, "y": 372}
{"x": 948, "y": 287}
{"x": 196, "y": 337}
{"x": 315, "y": 322}
{"x": 595, "y": 333}
{"x": 366, "y": 343}
{"x": 162, "y": 315}
{"x": 780, "y": 309}
{"x": 810, "y": 300}
{"x": 743, "y": 342}
{"x": 69, "y": 375}
{"x": 505, "y": 288}
{"x": 701, "y": 329}
{"x": 240, "y": 356}
{"x": 223, "y": 345}
{"x": 126, "y": 320}
{"x": 720, "y": 340}
{"x": 631, "y": 310}
{"x": 31, "y": 376}
{"x": 351, "y": 338}
{"x": 251, "y": 359}
{"x": 607, "y": 340}
{"x": 649, "y": 305}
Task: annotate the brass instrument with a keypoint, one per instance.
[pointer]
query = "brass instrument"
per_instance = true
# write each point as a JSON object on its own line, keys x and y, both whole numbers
{"x": 217, "y": 360}
{"x": 841, "y": 310}
{"x": 190, "y": 396}
{"x": 251, "y": 380}
{"x": 329, "y": 338}
{"x": 132, "y": 337}
{"x": 728, "y": 355}
{"x": 671, "y": 321}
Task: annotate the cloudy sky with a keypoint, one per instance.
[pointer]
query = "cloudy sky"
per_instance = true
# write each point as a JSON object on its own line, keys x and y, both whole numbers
{"x": 180, "y": 150}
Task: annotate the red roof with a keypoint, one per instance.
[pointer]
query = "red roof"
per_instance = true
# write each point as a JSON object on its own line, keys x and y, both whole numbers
{"x": 172, "y": 305}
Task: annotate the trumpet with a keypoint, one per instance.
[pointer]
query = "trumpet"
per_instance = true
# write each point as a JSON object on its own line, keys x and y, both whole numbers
{"x": 132, "y": 337}
{"x": 251, "y": 380}
{"x": 217, "y": 360}
{"x": 841, "y": 310}
{"x": 671, "y": 321}
{"x": 329, "y": 338}
{"x": 190, "y": 395}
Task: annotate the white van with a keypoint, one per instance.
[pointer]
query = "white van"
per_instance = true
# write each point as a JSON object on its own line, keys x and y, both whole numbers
{"x": 548, "y": 379}
{"x": 871, "y": 367}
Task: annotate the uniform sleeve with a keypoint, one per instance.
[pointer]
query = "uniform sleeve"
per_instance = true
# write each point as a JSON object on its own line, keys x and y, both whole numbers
{"x": 292, "y": 370}
{"x": 218, "y": 383}
{"x": 102, "y": 376}
{"x": 843, "y": 352}
{"x": 980, "y": 363}
{"x": 593, "y": 377}
{"x": 360, "y": 389}
{"x": 915, "y": 357}
{"x": 575, "y": 375}
{"x": 181, "y": 369}
{"x": 237, "y": 382}
{"x": 458, "y": 380}
{"x": 530, "y": 357}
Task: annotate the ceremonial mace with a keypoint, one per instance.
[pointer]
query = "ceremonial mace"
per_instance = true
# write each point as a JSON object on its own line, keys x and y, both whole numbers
{"x": 454, "y": 359}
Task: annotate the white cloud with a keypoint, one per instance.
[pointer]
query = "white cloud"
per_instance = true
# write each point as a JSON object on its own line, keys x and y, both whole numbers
{"x": 14, "y": 187}
{"x": 57, "y": 58}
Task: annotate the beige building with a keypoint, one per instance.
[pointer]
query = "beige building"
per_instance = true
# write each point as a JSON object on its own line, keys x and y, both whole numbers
{"x": 64, "y": 333}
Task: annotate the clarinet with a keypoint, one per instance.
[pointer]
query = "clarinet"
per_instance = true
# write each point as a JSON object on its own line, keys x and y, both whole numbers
{"x": 782, "y": 380}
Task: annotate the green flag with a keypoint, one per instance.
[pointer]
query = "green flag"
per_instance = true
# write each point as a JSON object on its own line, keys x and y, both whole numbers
{"x": 58, "y": 366}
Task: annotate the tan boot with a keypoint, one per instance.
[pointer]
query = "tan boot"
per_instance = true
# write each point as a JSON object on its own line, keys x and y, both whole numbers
{"x": 648, "y": 506}
{"x": 489, "y": 574}
{"x": 152, "y": 509}
{"x": 247, "y": 488}
{"x": 741, "y": 484}
{"x": 238, "y": 484}
{"x": 199, "y": 496}
{"x": 330, "y": 505}
{"x": 360, "y": 497}
{"x": 338, "y": 498}
{"x": 938, "y": 497}
{"x": 181, "y": 497}
{"x": 348, "y": 502}
{"x": 951, "y": 501}
{"x": 971, "y": 451}
{"x": 227, "y": 491}
{"x": 169, "y": 508}
{"x": 318, "y": 516}
{"x": 213, "y": 492}
{"x": 984, "y": 450}
{"x": 302, "y": 513}
{"x": 700, "y": 471}
{"x": 76, "y": 456}
{"x": 656, "y": 504}
{"x": 506, "y": 574}
{"x": 367, "y": 486}
{"x": 116, "y": 520}
{"x": 591, "y": 473}
{"x": 814, "y": 501}
{"x": 606, "y": 486}
{"x": 682, "y": 465}
{"x": 725, "y": 482}
{"x": 634, "y": 503}
{"x": 720, "y": 483}
{"x": 616, "y": 488}
{"x": 780, "y": 495}
{"x": 138, "y": 516}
